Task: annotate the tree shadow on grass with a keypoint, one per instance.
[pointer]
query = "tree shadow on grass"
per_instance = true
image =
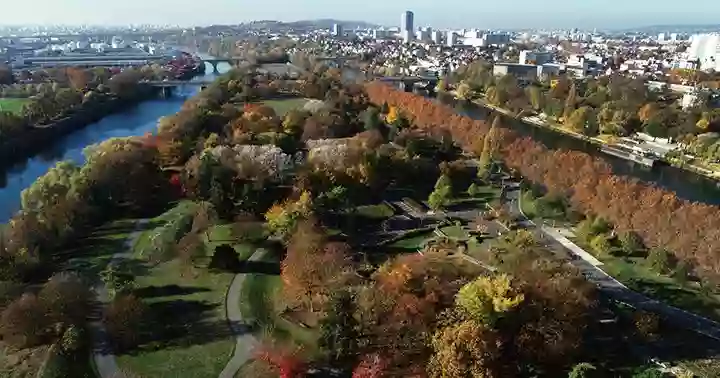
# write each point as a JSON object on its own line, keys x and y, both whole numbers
{"x": 167, "y": 291}
{"x": 180, "y": 324}
{"x": 125, "y": 228}
{"x": 260, "y": 267}
{"x": 679, "y": 297}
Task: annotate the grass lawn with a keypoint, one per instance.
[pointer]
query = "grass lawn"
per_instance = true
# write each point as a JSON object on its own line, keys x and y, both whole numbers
{"x": 412, "y": 242}
{"x": 455, "y": 232}
{"x": 188, "y": 331}
{"x": 261, "y": 302}
{"x": 637, "y": 275}
{"x": 379, "y": 211}
{"x": 634, "y": 273}
{"x": 285, "y": 105}
{"x": 13, "y": 105}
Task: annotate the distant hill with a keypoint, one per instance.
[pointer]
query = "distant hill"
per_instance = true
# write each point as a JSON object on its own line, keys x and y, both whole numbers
{"x": 327, "y": 23}
{"x": 679, "y": 28}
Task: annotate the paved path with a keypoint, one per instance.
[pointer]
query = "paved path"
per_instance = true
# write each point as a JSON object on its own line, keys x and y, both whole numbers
{"x": 613, "y": 288}
{"x": 102, "y": 350}
{"x": 245, "y": 341}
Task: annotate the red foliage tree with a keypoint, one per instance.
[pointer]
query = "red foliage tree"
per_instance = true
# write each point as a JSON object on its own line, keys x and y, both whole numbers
{"x": 288, "y": 363}
{"x": 371, "y": 366}
{"x": 657, "y": 215}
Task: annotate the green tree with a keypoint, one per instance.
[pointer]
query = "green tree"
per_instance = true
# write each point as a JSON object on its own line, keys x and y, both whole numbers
{"x": 294, "y": 121}
{"x": 631, "y": 243}
{"x": 601, "y": 245}
{"x": 339, "y": 329}
{"x": 491, "y": 145}
{"x": 660, "y": 260}
{"x": 439, "y": 198}
{"x": 536, "y": 97}
{"x": 583, "y": 370}
{"x": 473, "y": 190}
{"x": 578, "y": 119}
{"x": 649, "y": 373}
{"x": 371, "y": 118}
{"x": 486, "y": 299}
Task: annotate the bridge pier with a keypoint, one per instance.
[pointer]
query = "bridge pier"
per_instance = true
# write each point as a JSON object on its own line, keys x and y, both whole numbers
{"x": 166, "y": 92}
{"x": 406, "y": 86}
{"x": 215, "y": 67}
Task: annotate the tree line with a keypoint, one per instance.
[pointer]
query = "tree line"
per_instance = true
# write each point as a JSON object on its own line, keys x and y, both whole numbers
{"x": 657, "y": 215}
{"x": 55, "y": 94}
{"x": 611, "y": 105}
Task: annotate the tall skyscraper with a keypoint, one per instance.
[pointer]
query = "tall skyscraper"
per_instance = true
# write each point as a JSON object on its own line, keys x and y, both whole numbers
{"x": 407, "y": 22}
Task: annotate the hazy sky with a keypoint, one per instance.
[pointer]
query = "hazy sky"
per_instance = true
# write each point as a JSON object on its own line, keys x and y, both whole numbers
{"x": 445, "y": 13}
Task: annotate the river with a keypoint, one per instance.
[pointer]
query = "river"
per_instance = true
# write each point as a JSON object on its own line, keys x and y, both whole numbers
{"x": 138, "y": 120}
{"x": 687, "y": 185}
{"x": 143, "y": 118}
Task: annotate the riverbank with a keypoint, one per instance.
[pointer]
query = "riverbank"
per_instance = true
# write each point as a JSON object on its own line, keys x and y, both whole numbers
{"x": 37, "y": 137}
{"x": 537, "y": 122}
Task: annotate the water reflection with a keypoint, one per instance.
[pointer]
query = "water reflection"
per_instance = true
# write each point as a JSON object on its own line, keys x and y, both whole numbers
{"x": 685, "y": 184}
{"x": 137, "y": 120}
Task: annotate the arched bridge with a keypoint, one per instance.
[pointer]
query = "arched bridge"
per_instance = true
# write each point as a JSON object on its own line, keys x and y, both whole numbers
{"x": 234, "y": 62}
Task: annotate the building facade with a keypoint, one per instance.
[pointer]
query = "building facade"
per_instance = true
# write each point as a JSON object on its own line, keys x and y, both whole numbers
{"x": 407, "y": 22}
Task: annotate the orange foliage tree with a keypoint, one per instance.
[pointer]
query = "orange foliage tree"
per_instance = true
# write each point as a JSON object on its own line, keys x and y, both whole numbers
{"x": 657, "y": 215}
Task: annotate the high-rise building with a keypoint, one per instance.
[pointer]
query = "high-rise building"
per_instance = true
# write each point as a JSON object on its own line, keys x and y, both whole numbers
{"x": 407, "y": 22}
{"x": 338, "y": 30}
{"x": 705, "y": 48}
{"x": 452, "y": 39}
{"x": 436, "y": 37}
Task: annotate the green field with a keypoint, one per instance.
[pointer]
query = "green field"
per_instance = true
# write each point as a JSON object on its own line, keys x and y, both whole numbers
{"x": 187, "y": 332}
{"x": 635, "y": 273}
{"x": 13, "y": 105}
{"x": 282, "y": 106}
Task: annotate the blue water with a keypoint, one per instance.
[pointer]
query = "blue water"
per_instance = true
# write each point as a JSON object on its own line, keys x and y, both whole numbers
{"x": 134, "y": 121}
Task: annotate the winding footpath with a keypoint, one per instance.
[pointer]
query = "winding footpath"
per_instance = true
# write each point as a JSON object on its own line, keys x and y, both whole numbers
{"x": 245, "y": 341}
{"x": 103, "y": 356}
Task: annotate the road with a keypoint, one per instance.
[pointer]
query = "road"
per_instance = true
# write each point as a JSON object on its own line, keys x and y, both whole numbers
{"x": 611, "y": 287}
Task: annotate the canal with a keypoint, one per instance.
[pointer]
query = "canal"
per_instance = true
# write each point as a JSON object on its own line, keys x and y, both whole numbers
{"x": 138, "y": 120}
{"x": 687, "y": 185}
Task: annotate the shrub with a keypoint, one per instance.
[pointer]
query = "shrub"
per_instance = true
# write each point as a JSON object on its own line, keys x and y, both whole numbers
{"x": 66, "y": 299}
{"x": 72, "y": 339}
{"x": 23, "y": 322}
{"x": 122, "y": 319}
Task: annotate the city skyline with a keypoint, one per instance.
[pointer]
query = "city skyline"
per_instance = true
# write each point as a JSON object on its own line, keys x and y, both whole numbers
{"x": 450, "y": 14}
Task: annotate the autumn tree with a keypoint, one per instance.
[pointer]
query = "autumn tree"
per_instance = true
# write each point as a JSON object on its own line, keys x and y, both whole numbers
{"x": 282, "y": 218}
{"x": 570, "y": 102}
{"x": 339, "y": 329}
{"x": 487, "y": 298}
{"x": 313, "y": 268}
{"x": 491, "y": 145}
{"x": 123, "y": 319}
{"x": 465, "y": 349}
